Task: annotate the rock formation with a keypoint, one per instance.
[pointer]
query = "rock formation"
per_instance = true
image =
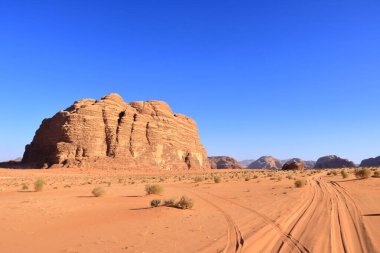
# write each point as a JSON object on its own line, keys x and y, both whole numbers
{"x": 110, "y": 133}
{"x": 294, "y": 165}
{"x": 307, "y": 164}
{"x": 333, "y": 161}
{"x": 224, "y": 162}
{"x": 371, "y": 162}
{"x": 245, "y": 163}
{"x": 266, "y": 162}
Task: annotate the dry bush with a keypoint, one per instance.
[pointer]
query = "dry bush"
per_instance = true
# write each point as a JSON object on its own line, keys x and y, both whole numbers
{"x": 300, "y": 183}
{"x": 39, "y": 185}
{"x": 153, "y": 189}
{"x": 217, "y": 179}
{"x": 155, "y": 203}
{"x": 198, "y": 179}
{"x": 185, "y": 203}
{"x": 376, "y": 174}
{"x": 98, "y": 192}
{"x": 362, "y": 173}
{"x": 344, "y": 173}
{"x": 25, "y": 187}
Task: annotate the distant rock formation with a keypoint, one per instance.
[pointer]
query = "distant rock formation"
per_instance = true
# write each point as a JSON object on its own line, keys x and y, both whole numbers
{"x": 266, "y": 162}
{"x": 110, "y": 133}
{"x": 371, "y": 162}
{"x": 245, "y": 163}
{"x": 333, "y": 161}
{"x": 294, "y": 165}
{"x": 307, "y": 164}
{"x": 224, "y": 162}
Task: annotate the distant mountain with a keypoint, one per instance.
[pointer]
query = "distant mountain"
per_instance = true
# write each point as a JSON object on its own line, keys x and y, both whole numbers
{"x": 224, "y": 162}
{"x": 266, "y": 162}
{"x": 371, "y": 162}
{"x": 245, "y": 163}
{"x": 333, "y": 161}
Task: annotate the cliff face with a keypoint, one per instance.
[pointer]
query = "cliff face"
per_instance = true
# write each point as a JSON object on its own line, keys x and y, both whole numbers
{"x": 110, "y": 133}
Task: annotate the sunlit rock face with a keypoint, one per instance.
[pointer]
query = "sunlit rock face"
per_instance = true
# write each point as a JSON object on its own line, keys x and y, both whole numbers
{"x": 110, "y": 133}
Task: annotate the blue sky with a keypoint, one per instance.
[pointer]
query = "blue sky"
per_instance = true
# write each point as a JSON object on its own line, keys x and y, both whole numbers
{"x": 281, "y": 78}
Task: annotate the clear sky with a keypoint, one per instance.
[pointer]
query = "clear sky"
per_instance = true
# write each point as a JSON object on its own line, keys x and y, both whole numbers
{"x": 282, "y": 78}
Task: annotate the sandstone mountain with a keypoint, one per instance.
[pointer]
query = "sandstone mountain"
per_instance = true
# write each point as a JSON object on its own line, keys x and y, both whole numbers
{"x": 110, "y": 133}
{"x": 266, "y": 162}
{"x": 333, "y": 161}
{"x": 245, "y": 163}
{"x": 224, "y": 162}
{"x": 371, "y": 162}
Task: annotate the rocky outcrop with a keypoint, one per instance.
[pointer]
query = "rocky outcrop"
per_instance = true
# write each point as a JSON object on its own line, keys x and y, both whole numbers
{"x": 266, "y": 162}
{"x": 307, "y": 164}
{"x": 371, "y": 162}
{"x": 333, "y": 161}
{"x": 294, "y": 165}
{"x": 110, "y": 133}
{"x": 224, "y": 162}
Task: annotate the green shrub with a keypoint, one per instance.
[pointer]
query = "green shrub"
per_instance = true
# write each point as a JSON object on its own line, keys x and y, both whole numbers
{"x": 98, "y": 192}
{"x": 362, "y": 173}
{"x": 185, "y": 203}
{"x": 155, "y": 203}
{"x": 344, "y": 173}
{"x": 39, "y": 185}
{"x": 217, "y": 179}
{"x": 300, "y": 183}
{"x": 376, "y": 174}
{"x": 153, "y": 189}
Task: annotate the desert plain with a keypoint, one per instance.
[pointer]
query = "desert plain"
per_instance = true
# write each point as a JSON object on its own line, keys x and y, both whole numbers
{"x": 233, "y": 211}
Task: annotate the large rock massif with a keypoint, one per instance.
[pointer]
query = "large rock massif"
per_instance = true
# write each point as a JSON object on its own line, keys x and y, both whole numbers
{"x": 224, "y": 162}
{"x": 110, "y": 133}
{"x": 333, "y": 161}
{"x": 371, "y": 162}
{"x": 266, "y": 162}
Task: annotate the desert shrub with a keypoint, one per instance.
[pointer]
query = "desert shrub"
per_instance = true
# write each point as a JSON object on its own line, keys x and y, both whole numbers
{"x": 363, "y": 173}
{"x": 98, "y": 192}
{"x": 255, "y": 176}
{"x": 155, "y": 203}
{"x": 39, "y": 185}
{"x": 153, "y": 189}
{"x": 334, "y": 172}
{"x": 217, "y": 179}
{"x": 170, "y": 202}
{"x": 25, "y": 187}
{"x": 185, "y": 203}
{"x": 247, "y": 178}
{"x": 198, "y": 179}
{"x": 376, "y": 174}
{"x": 300, "y": 183}
{"x": 344, "y": 173}
{"x": 289, "y": 177}
{"x": 328, "y": 173}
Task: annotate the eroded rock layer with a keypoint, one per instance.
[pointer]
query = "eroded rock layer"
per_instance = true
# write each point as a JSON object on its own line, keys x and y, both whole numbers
{"x": 110, "y": 133}
{"x": 224, "y": 162}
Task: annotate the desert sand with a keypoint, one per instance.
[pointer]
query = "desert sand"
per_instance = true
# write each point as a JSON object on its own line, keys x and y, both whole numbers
{"x": 248, "y": 211}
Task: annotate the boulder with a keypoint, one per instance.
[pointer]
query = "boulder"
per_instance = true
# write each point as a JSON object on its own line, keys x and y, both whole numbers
{"x": 224, "y": 162}
{"x": 296, "y": 165}
{"x": 110, "y": 133}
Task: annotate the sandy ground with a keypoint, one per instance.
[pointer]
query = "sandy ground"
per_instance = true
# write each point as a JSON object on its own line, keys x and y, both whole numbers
{"x": 248, "y": 211}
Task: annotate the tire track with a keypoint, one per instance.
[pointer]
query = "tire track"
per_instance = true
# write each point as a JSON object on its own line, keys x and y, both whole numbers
{"x": 284, "y": 237}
